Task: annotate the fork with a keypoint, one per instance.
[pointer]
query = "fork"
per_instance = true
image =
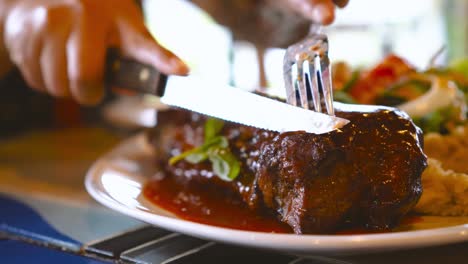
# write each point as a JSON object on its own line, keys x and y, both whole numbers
{"x": 307, "y": 73}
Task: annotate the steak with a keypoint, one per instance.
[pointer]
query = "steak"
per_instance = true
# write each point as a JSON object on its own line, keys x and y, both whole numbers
{"x": 365, "y": 175}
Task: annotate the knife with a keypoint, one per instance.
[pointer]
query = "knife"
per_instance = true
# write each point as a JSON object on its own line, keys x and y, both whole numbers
{"x": 215, "y": 99}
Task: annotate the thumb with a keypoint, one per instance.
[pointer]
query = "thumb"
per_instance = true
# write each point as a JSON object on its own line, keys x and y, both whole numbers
{"x": 137, "y": 43}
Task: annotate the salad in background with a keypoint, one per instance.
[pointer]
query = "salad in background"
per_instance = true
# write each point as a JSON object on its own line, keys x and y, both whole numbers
{"x": 436, "y": 98}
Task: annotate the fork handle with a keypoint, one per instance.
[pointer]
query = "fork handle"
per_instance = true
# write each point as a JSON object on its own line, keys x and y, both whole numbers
{"x": 132, "y": 75}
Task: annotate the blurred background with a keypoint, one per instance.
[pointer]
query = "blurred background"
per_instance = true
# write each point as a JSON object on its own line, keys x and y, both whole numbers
{"x": 363, "y": 33}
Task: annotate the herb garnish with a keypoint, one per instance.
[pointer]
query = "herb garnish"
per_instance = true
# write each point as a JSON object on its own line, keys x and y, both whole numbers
{"x": 216, "y": 149}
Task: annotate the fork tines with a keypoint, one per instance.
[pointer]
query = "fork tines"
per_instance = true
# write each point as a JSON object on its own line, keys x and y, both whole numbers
{"x": 307, "y": 74}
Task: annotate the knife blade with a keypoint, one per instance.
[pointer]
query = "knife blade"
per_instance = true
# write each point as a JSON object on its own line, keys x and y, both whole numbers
{"x": 216, "y": 99}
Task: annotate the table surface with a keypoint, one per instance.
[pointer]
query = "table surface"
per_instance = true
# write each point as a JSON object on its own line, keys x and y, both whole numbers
{"x": 42, "y": 174}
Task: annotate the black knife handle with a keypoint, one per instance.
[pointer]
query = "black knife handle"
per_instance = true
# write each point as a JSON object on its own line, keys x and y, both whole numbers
{"x": 129, "y": 74}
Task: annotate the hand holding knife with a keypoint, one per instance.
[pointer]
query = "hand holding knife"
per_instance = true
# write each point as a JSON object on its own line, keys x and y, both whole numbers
{"x": 217, "y": 100}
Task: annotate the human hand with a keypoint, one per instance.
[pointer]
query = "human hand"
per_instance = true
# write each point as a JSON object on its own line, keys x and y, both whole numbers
{"x": 271, "y": 23}
{"x": 60, "y": 45}
{"x": 317, "y": 11}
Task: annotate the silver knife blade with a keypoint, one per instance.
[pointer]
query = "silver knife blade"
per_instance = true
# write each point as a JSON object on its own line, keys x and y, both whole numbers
{"x": 216, "y": 100}
{"x": 246, "y": 108}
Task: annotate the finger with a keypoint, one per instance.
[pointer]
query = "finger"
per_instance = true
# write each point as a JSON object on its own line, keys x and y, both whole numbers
{"x": 322, "y": 12}
{"x": 318, "y": 11}
{"x": 86, "y": 49}
{"x": 30, "y": 66}
{"x": 53, "y": 56}
{"x": 54, "y": 66}
{"x": 136, "y": 42}
{"x": 341, "y": 3}
{"x": 24, "y": 42}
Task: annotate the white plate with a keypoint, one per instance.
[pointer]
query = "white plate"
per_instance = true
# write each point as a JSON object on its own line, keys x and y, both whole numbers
{"x": 116, "y": 181}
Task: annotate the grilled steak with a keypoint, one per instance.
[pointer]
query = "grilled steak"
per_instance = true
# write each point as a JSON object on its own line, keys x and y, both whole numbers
{"x": 366, "y": 174}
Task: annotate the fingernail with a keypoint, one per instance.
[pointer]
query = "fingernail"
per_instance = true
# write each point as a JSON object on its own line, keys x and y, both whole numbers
{"x": 88, "y": 93}
{"x": 179, "y": 67}
{"x": 323, "y": 14}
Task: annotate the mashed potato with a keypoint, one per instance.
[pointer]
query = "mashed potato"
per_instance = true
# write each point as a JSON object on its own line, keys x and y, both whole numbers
{"x": 451, "y": 150}
{"x": 445, "y": 192}
{"x": 445, "y": 181}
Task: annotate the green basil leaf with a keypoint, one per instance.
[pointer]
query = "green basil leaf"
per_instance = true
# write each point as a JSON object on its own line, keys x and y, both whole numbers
{"x": 225, "y": 164}
{"x": 234, "y": 165}
{"x": 185, "y": 154}
{"x": 212, "y": 127}
{"x": 199, "y": 154}
{"x": 195, "y": 158}
{"x": 216, "y": 149}
{"x": 216, "y": 142}
{"x": 220, "y": 167}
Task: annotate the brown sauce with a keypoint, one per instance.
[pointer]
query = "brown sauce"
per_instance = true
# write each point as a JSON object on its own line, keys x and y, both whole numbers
{"x": 207, "y": 205}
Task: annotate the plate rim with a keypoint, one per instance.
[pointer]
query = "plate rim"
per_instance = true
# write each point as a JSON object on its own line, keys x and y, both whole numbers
{"x": 297, "y": 244}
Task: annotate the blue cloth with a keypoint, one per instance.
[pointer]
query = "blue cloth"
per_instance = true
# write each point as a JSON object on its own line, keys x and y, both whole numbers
{"x": 18, "y": 219}
{"x": 16, "y": 252}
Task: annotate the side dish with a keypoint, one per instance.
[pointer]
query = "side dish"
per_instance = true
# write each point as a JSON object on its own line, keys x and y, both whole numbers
{"x": 445, "y": 191}
{"x": 436, "y": 99}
